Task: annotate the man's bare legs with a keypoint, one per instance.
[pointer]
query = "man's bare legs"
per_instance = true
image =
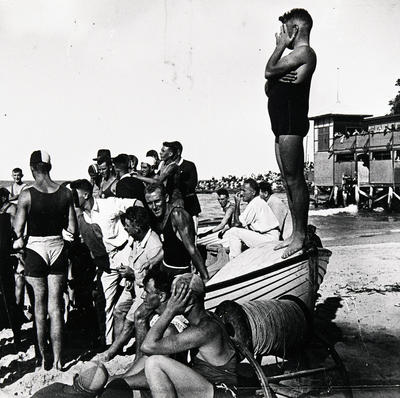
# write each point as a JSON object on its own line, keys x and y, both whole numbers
{"x": 290, "y": 157}
{"x": 55, "y": 309}
{"x": 39, "y": 287}
{"x": 48, "y": 300}
{"x": 169, "y": 378}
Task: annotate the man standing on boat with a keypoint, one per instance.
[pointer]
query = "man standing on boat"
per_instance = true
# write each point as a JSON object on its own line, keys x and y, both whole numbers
{"x": 17, "y": 186}
{"x": 288, "y": 88}
{"x": 47, "y": 209}
{"x": 256, "y": 225}
{"x": 177, "y": 233}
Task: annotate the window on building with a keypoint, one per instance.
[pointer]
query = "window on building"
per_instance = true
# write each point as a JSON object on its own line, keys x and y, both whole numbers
{"x": 344, "y": 157}
{"x": 323, "y": 139}
{"x": 381, "y": 155}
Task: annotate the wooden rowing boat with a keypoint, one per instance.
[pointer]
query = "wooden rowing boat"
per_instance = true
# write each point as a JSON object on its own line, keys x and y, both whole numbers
{"x": 261, "y": 273}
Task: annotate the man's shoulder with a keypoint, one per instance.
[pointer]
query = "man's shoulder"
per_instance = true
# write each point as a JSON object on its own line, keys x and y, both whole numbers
{"x": 154, "y": 240}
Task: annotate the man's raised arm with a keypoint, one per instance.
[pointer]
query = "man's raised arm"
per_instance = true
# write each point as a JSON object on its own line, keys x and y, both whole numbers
{"x": 279, "y": 66}
{"x": 184, "y": 225}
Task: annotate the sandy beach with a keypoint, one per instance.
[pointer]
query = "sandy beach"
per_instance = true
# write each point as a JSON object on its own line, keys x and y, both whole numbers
{"x": 358, "y": 310}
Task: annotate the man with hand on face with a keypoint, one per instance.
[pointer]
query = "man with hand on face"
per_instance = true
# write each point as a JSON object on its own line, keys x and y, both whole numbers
{"x": 213, "y": 371}
{"x": 102, "y": 231}
{"x": 146, "y": 254}
{"x": 256, "y": 225}
{"x": 177, "y": 232}
{"x": 157, "y": 291}
{"x": 288, "y": 88}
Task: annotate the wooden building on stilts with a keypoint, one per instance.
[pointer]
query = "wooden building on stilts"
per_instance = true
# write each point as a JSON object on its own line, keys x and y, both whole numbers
{"x": 357, "y": 158}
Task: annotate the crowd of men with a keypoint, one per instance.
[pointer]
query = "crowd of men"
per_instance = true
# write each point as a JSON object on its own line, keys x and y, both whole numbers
{"x": 138, "y": 229}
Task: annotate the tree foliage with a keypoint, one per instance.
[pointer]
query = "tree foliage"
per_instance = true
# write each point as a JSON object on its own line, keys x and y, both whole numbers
{"x": 395, "y": 102}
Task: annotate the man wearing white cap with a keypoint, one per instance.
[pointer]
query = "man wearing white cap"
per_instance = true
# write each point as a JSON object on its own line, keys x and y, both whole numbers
{"x": 147, "y": 167}
{"x": 47, "y": 209}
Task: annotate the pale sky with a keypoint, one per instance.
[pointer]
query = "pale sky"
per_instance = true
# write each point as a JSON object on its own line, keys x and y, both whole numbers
{"x": 126, "y": 75}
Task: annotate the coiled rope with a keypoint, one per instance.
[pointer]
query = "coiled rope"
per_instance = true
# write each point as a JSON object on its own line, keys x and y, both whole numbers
{"x": 277, "y": 326}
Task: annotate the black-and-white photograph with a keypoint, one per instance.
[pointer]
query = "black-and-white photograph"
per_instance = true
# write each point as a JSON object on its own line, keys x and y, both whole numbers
{"x": 199, "y": 198}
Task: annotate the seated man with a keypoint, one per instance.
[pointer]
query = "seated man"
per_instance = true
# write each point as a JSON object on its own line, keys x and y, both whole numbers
{"x": 258, "y": 222}
{"x": 157, "y": 290}
{"x": 213, "y": 370}
{"x": 279, "y": 208}
{"x": 146, "y": 253}
{"x": 229, "y": 209}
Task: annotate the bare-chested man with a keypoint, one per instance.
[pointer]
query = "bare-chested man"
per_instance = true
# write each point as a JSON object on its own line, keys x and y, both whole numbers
{"x": 288, "y": 88}
{"x": 213, "y": 370}
{"x": 47, "y": 209}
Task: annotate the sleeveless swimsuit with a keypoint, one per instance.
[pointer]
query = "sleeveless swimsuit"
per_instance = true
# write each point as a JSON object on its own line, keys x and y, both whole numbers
{"x": 288, "y": 108}
{"x": 48, "y": 216}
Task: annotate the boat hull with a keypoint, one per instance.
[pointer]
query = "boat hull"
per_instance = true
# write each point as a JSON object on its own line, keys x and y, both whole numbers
{"x": 261, "y": 274}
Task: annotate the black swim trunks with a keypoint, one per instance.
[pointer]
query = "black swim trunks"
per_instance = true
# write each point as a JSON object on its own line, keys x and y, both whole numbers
{"x": 288, "y": 108}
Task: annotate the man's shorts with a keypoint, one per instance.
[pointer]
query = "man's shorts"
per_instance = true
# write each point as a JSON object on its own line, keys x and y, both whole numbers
{"x": 45, "y": 256}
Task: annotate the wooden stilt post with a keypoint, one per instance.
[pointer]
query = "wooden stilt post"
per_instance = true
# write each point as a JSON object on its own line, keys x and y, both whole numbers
{"x": 316, "y": 194}
{"x": 335, "y": 195}
{"x": 357, "y": 195}
{"x": 371, "y": 197}
{"x": 390, "y": 197}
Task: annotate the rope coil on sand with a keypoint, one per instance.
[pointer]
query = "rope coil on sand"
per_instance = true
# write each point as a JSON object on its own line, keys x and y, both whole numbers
{"x": 277, "y": 326}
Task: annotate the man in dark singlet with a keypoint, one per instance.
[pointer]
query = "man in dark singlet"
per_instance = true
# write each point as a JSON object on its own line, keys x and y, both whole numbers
{"x": 177, "y": 229}
{"x": 47, "y": 209}
{"x": 108, "y": 184}
{"x": 288, "y": 88}
{"x": 213, "y": 369}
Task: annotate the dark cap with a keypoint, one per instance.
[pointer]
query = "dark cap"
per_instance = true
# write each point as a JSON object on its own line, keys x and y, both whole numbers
{"x": 103, "y": 153}
{"x": 121, "y": 158}
{"x": 39, "y": 157}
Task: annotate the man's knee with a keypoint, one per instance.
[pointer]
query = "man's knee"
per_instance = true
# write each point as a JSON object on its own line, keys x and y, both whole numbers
{"x": 155, "y": 362}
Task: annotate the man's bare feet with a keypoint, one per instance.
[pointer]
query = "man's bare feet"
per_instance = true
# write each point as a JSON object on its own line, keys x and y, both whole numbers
{"x": 294, "y": 246}
{"x": 284, "y": 243}
{"x": 57, "y": 365}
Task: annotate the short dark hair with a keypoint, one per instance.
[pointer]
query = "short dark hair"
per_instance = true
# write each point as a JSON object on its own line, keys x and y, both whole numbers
{"x": 138, "y": 215}
{"x": 134, "y": 160}
{"x": 265, "y": 186}
{"x": 17, "y": 170}
{"x": 122, "y": 161}
{"x": 83, "y": 185}
{"x": 153, "y": 153}
{"x": 41, "y": 167}
{"x": 253, "y": 185}
{"x": 179, "y": 146}
{"x": 4, "y": 193}
{"x": 222, "y": 191}
{"x": 171, "y": 146}
{"x": 153, "y": 187}
{"x": 298, "y": 13}
{"x": 92, "y": 169}
{"x": 162, "y": 280}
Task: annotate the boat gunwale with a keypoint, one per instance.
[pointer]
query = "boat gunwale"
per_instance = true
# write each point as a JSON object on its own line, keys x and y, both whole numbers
{"x": 265, "y": 270}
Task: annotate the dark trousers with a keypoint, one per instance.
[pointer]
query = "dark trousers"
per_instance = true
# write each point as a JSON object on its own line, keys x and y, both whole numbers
{"x": 7, "y": 291}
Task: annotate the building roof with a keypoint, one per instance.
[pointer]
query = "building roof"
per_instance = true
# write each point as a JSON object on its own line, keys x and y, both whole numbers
{"x": 341, "y": 115}
{"x": 383, "y": 118}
